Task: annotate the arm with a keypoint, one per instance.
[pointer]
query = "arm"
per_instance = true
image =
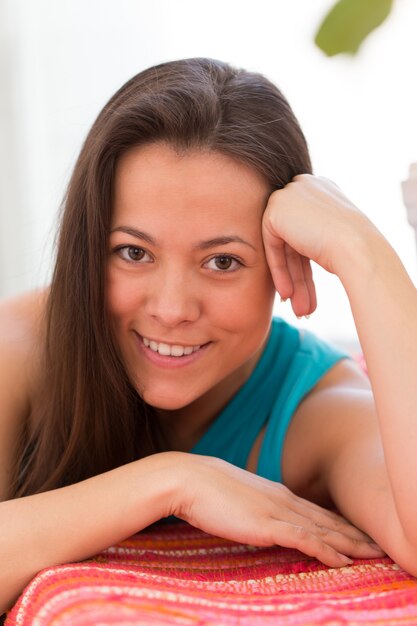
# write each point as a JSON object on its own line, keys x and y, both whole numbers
{"x": 384, "y": 306}
{"x": 75, "y": 522}
{"x": 78, "y": 521}
{"x": 370, "y": 468}
{"x": 338, "y": 432}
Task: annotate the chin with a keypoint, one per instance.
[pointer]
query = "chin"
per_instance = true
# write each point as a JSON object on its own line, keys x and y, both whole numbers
{"x": 165, "y": 402}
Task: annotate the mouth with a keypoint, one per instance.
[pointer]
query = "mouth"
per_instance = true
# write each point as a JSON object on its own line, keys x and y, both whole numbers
{"x": 170, "y": 354}
{"x": 170, "y": 349}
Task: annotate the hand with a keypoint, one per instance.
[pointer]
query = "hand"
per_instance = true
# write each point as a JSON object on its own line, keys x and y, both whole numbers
{"x": 309, "y": 219}
{"x": 229, "y": 502}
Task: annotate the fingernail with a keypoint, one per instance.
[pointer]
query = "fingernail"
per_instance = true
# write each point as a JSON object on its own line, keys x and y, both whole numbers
{"x": 307, "y": 317}
{"x": 376, "y": 547}
{"x": 282, "y": 300}
{"x": 345, "y": 559}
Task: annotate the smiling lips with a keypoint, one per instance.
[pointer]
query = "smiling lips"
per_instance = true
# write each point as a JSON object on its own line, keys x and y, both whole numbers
{"x": 166, "y": 349}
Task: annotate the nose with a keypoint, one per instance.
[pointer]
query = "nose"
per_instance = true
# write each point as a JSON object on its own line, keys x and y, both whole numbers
{"x": 172, "y": 298}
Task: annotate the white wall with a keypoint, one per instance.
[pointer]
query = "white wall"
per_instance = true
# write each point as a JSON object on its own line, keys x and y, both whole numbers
{"x": 60, "y": 60}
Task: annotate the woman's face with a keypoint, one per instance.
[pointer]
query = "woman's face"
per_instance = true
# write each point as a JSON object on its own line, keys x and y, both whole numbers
{"x": 189, "y": 290}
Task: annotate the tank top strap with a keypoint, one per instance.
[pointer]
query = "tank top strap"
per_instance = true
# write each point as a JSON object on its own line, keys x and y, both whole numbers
{"x": 313, "y": 358}
{"x": 232, "y": 434}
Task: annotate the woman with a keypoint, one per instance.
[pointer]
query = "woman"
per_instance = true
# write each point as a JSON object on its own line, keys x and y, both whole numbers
{"x": 190, "y": 205}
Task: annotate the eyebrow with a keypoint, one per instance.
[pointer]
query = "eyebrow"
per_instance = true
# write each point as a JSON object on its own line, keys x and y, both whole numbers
{"x": 201, "y": 245}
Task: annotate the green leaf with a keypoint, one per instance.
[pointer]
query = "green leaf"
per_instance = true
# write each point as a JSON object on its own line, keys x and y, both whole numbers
{"x": 348, "y": 23}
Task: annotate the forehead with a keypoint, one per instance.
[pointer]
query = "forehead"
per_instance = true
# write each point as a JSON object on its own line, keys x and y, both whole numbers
{"x": 156, "y": 181}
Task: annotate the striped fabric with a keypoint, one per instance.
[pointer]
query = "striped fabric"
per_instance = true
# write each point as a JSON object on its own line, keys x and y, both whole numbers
{"x": 173, "y": 574}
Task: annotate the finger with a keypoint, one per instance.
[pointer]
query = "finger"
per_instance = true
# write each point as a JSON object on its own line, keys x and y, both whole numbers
{"x": 323, "y": 517}
{"x": 300, "y": 299}
{"x": 308, "y": 276}
{"x": 363, "y": 544}
{"x": 298, "y": 537}
{"x": 319, "y": 515}
{"x": 282, "y": 496}
{"x": 277, "y": 262}
{"x": 341, "y": 541}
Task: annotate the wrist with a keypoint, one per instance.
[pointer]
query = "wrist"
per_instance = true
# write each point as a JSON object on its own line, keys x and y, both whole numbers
{"x": 362, "y": 254}
{"x": 375, "y": 280}
{"x": 157, "y": 480}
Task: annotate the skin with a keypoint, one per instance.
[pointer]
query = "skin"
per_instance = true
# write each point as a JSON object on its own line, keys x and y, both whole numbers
{"x": 363, "y": 439}
{"x": 176, "y": 291}
{"x": 351, "y": 443}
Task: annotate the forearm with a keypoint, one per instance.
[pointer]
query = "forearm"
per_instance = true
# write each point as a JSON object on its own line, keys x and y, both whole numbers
{"x": 76, "y": 522}
{"x": 384, "y": 305}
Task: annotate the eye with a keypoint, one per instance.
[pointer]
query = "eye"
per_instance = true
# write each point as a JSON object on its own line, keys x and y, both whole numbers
{"x": 224, "y": 263}
{"x": 133, "y": 254}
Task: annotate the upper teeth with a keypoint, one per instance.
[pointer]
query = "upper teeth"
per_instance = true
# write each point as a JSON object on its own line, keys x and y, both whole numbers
{"x": 169, "y": 350}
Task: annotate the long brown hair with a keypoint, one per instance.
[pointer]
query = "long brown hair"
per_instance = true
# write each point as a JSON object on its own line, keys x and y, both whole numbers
{"x": 87, "y": 418}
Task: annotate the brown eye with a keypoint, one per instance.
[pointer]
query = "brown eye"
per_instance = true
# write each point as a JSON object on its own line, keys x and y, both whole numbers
{"x": 223, "y": 262}
{"x": 135, "y": 254}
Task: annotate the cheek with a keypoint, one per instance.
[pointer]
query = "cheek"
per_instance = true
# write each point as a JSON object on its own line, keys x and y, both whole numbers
{"x": 260, "y": 287}
{"x": 260, "y": 302}
{"x": 121, "y": 296}
{"x": 246, "y": 305}
{"x": 239, "y": 304}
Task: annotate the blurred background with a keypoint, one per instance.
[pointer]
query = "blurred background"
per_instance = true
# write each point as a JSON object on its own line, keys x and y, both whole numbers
{"x": 60, "y": 61}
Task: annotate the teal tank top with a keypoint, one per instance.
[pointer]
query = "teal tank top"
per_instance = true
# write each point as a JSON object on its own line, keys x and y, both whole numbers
{"x": 291, "y": 364}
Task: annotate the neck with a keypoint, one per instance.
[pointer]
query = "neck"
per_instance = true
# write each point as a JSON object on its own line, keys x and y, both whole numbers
{"x": 184, "y": 427}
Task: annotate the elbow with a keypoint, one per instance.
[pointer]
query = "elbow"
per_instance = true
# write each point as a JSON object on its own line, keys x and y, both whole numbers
{"x": 7, "y": 600}
{"x": 404, "y": 553}
{"x": 5, "y": 607}
{"x": 408, "y": 564}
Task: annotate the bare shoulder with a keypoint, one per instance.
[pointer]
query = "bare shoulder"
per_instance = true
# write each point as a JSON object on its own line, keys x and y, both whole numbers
{"x": 21, "y": 327}
{"x": 21, "y": 333}
{"x": 21, "y": 336}
{"x": 346, "y": 373}
{"x": 339, "y": 406}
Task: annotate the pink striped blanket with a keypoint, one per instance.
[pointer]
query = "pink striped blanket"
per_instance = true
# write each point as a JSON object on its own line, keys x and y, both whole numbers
{"x": 173, "y": 574}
